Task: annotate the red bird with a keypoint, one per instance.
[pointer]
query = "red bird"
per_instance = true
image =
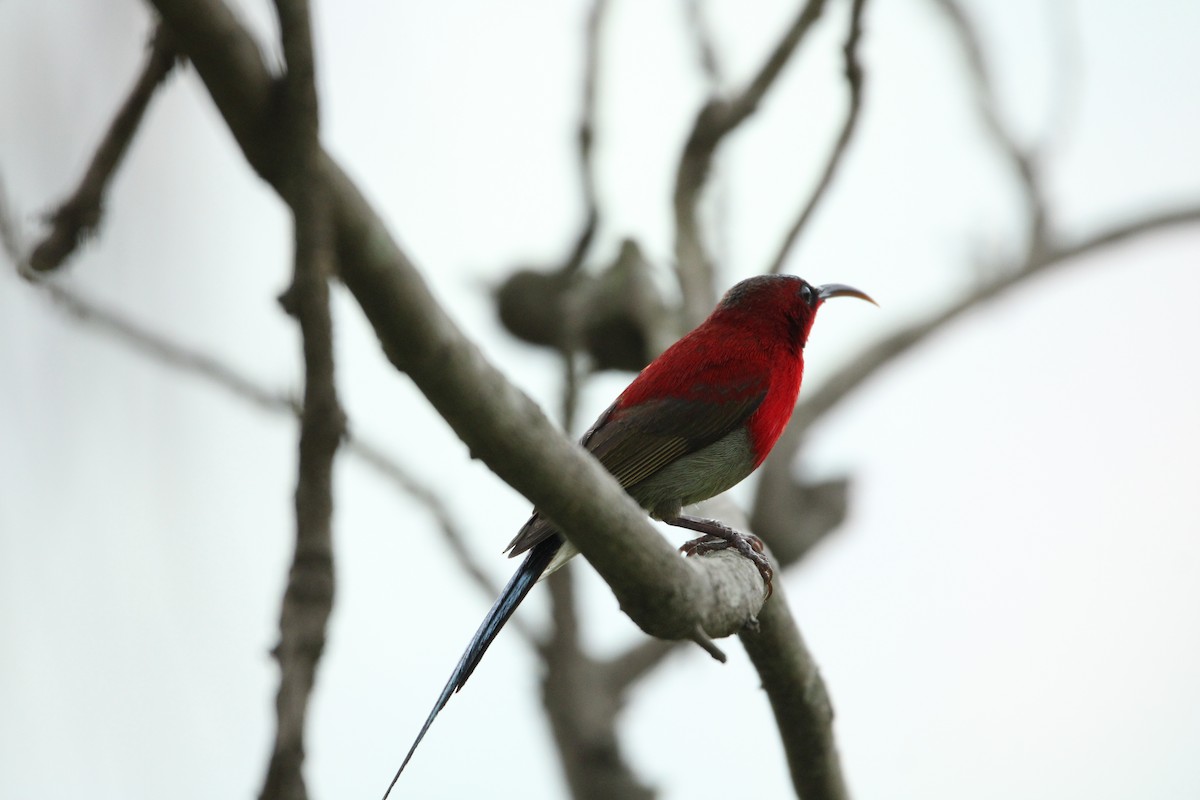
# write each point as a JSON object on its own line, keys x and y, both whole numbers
{"x": 696, "y": 421}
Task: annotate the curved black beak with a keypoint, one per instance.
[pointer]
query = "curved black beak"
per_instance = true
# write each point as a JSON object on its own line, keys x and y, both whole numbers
{"x": 829, "y": 290}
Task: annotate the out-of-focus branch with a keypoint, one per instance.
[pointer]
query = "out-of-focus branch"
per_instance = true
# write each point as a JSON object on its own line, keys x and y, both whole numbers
{"x": 1044, "y": 251}
{"x": 171, "y": 354}
{"x": 629, "y": 667}
{"x": 308, "y": 600}
{"x": 452, "y": 533}
{"x": 80, "y": 214}
{"x": 871, "y": 360}
{"x": 1022, "y": 159}
{"x": 718, "y": 118}
{"x": 799, "y": 701}
{"x": 587, "y": 184}
{"x": 706, "y": 50}
{"x": 854, "y": 81}
{"x": 718, "y": 202}
{"x": 582, "y": 709}
{"x": 162, "y": 349}
{"x": 10, "y": 233}
{"x": 587, "y": 134}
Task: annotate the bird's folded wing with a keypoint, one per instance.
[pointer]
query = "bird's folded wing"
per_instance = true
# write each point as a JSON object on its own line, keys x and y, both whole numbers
{"x": 634, "y": 443}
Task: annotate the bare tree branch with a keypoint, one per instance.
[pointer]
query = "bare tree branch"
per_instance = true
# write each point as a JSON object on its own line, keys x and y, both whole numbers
{"x": 587, "y": 133}
{"x": 694, "y": 265}
{"x": 80, "y": 214}
{"x": 1043, "y": 251}
{"x": 718, "y": 194}
{"x": 1187, "y": 214}
{"x": 308, "y": 601}
{"x": 582, "y": 709}
{"x": 451, "y": 531}
{"x": 800, "y": 701}
{"x": 863, "y": 366}
{"x": 162, "y": 349}
{"x": 629, "y": 667}
{"x": 174, "y": 355}
{"x": 706, "y": 50}
{"x": 10, "y": 233}
{"x": 854, "y": 80}
{"x": 1022, "y": 159}
{"x": 587, "y": 183}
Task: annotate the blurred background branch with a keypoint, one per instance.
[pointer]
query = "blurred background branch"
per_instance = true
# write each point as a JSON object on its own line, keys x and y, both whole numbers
{"x": 78, "y": 216}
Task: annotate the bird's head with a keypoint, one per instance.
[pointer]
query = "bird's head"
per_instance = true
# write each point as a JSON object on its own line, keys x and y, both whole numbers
{"x": 785, "y": 300}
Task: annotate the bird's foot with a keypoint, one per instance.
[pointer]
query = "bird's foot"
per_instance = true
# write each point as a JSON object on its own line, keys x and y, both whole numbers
{"x": 721, "y": 537}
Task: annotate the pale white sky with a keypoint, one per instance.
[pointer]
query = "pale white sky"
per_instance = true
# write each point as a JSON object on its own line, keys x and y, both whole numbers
{"x": 1011, "y": 609}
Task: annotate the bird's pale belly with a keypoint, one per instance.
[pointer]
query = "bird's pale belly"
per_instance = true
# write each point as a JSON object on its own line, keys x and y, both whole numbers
{"x": 699, "y": 476}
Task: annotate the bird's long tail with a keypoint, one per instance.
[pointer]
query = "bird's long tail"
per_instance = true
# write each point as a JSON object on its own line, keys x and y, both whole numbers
{"x": 519, "y": 584}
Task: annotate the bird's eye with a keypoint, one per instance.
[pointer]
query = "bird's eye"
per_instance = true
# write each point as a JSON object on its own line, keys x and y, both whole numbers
{"x": 808, "y": 294}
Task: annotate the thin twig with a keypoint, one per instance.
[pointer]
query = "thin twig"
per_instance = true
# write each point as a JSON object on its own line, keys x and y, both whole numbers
{"x": 872, "y": 359}
{"x": 587, "y": 136}
{"x": 625, "y": 670}
{"x": 587, "y": 184}
{"x": 706, "y": 50}
{"x": 166, "y": 351}
{"x": 705, "y": 44}
{"x": 169, "y": 353}
{"x": 10, "y": 232}
{"x": 1022, "y": 159}
{"x": 854, "y": 80}
{"x": 1045, "y": 250}
{"x": 79, "y": 215}
{"x": 694, "y": 265}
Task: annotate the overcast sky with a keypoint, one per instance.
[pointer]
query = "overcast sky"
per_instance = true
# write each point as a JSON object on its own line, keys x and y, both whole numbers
{"x": 1011, "y": 609}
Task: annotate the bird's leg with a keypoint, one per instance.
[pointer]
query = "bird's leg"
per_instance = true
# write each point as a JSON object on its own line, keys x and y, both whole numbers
{"x": 719, "y": 536}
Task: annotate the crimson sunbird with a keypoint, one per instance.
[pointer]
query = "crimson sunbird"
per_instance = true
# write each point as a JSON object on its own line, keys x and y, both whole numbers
{"x": 695, "y": 422}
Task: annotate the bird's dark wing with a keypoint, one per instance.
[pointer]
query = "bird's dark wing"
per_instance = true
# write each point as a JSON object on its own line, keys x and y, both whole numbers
{"x": 636, "y": 442}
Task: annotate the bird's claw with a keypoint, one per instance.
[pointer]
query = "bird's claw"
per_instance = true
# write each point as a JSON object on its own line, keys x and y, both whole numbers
{"x": 747, "y": 544}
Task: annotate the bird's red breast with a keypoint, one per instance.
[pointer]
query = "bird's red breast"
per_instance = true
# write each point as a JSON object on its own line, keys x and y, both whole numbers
{"x": 718, "y": 367}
